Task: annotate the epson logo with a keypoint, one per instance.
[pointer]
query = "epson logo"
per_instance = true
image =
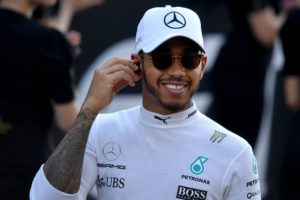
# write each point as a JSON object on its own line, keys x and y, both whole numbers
{"x": 190, "y": 193}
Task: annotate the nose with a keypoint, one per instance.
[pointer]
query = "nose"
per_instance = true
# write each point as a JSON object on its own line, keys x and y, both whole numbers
{"x": 176, "y": 69}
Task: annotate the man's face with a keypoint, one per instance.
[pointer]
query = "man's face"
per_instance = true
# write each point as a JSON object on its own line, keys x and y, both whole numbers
{"x": 170, "y": 89}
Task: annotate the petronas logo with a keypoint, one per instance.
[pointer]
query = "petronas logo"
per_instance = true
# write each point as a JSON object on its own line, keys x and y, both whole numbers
{"x": 197, "y": 167}
{"x": 255, "y": 171}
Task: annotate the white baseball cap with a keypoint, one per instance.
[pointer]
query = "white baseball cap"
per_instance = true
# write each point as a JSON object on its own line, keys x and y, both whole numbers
{"x": 160, "y": 24}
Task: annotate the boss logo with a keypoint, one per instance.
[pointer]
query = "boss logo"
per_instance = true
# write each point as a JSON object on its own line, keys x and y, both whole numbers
{"x": 190, "y": 193}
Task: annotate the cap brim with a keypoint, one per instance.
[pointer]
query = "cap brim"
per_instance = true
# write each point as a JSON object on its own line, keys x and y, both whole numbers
{"x": 156, "y": 43}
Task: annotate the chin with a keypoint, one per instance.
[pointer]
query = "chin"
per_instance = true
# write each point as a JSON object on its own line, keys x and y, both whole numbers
{"x": 175, "y": 106}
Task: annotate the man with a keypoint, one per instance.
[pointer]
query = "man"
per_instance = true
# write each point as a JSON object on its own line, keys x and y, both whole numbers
{"x": 291, "y": 83}
{"x": 163, "y": 149}
{"x": 244, "y": 59}
{"x": 36, "y": 88}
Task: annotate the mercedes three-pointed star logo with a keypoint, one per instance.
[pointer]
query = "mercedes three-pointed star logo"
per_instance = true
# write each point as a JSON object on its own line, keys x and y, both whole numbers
{"x": 111, "y": 151}
{"x": 174, "y": 20}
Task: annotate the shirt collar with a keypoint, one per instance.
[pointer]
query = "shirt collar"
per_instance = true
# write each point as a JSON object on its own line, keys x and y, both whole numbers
{"x": 154, "y": 119}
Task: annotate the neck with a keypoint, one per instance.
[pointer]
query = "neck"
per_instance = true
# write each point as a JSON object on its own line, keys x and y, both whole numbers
{"x": 19, "y": 6}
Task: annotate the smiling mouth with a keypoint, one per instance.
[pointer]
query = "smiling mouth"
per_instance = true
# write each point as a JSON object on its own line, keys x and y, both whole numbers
{"x": 174, "y": 86}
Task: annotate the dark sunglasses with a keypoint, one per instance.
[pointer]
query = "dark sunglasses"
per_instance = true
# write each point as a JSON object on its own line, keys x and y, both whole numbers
{"x": 163, "y": 61}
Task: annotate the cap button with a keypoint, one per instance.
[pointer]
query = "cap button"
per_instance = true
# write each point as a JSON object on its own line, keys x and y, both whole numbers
{"x": 168, "y": 6}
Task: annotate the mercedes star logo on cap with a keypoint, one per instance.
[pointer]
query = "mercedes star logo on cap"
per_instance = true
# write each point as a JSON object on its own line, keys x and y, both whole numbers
{"x": 111, "y": 151}
{"x": 174, "y": 20}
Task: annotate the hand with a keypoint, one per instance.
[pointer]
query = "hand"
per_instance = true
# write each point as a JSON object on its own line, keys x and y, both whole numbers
{"x": 292, "y": 92}
{"x": 108, "y": 80}
{"x": 74, "y": 38}
{"x": 80, "y": 5}
{"x": 68, "y": 8}
{"x": 265, "y": 25}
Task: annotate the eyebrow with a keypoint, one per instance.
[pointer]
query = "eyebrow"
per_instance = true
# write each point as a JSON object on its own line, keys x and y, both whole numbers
{"x": 162, "y": 49}
{"x": 195, "y": 49}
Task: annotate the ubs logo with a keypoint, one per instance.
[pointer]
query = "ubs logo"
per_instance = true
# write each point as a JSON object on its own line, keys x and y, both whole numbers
{"x": 112, "y": 182}
{"x": 111, "y": 151}
{"x": 174, "y": 20}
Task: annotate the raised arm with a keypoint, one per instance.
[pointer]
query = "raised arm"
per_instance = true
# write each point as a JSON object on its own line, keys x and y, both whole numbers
{"x": 265, "y": 25}
{"x": 64, "y": 166}
{"x": 67, "y": 10}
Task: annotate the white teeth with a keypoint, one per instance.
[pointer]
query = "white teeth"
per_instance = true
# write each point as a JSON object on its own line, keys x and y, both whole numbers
{"x": 175, "y": 87}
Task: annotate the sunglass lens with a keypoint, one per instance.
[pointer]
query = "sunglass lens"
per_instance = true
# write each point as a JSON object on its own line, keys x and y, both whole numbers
{"x": 162, "y": 61}
{"x": 190, "y": 61}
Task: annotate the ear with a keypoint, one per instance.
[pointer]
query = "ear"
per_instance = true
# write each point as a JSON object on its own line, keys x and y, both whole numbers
{"x": 137, "y": 60}
{"x": 202, "y": 66}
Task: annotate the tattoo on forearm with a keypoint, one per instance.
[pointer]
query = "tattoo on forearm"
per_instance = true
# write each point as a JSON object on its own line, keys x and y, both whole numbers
{"x": 64, "y": 166}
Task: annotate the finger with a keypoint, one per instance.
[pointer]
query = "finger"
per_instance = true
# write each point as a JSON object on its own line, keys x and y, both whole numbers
{"x": 121, "y": 67}
{"x": 74, "y": 38}
{"x": 122, "y": 76}
{"x": 119, "y": 86}
{"x": 110, "y": 81}
{"x": 125, "y": 62}
{"x": 106, "y": 83}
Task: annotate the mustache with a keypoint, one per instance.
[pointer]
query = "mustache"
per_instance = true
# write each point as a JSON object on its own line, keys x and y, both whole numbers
{"x": 175, "y": 80}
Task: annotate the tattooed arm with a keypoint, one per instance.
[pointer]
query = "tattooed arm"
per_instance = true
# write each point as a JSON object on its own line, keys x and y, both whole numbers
{"x": 63, "y": 169}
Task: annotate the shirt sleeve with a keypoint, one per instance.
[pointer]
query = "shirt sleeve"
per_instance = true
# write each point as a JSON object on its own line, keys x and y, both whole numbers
{"x": 291, "y": 43}
{"x": 58, "y": 62}
{"x": 241, "y": 180}
{"x": 42, "y": 189}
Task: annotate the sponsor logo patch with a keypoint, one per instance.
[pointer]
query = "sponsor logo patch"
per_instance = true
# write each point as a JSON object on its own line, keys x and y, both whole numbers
{"x": 252, "y": 183}
{"x": 196, "y": 179}
{"x": 197, "y": 167}
{"x": 255, "y": 171}
{"x": 111, "y": 151}
{"x": 105, "y": 165}
{"x": 190, "y": 193}
{"x": 251, "y": 195}
{"x": 217, "y": 137}
{"x": 111, "y": 182}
